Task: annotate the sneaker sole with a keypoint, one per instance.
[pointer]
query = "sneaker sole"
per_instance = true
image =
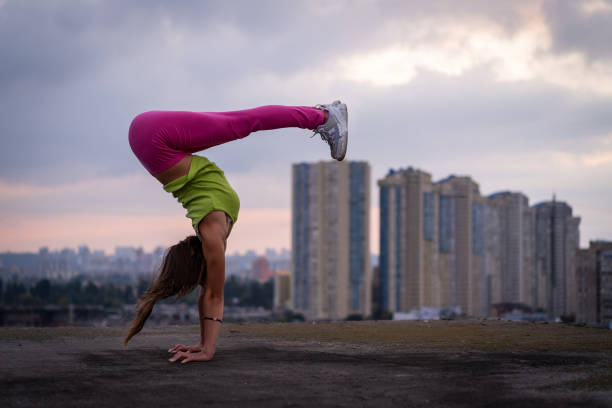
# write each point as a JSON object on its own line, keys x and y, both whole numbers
{"x": 346, "y": 141}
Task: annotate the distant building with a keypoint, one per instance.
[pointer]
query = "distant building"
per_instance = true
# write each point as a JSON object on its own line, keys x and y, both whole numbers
{"x": 594, "y": 283}
{"x": 330, "y": 239}
{"x": 606, "y": 287}
{"x": 127, "y": 253}
{"x": 431, "y": 243}
{"x": 557, "y": 240}
{"x": 282, "y": 290}
{"x": 67, "y": 263}
{"x": 375, "y": 294}
{"x": 462, "y": 243}
{"x": 401, "y": 268}
{"x": 279, "y": 260}
{"x": 510, "y": 249}
{"x": 444, "y": 246}
{"x": 260, "y": 269}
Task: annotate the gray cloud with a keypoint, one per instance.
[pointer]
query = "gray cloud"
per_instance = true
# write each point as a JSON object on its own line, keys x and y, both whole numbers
{"x": 73, "y": 74}
{"x": 576, "y": 31}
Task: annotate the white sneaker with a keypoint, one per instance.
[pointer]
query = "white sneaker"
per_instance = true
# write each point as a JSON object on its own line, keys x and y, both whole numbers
{"x": 335, "y": 130}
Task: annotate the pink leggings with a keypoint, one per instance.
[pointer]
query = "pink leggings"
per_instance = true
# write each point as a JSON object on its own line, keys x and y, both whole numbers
{"x": 161, "y": 138}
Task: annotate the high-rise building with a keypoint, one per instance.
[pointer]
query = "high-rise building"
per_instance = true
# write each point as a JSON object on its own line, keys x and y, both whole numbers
{"x": 443, "y": 245}
{"x": 431, "y": 243}
{"x": 606, "y": 287}
{"x": 462, "y": 225}
{"x": 401, "y": 268}
{"x": 330, "y": 239}
{"x": 594, "y": 283}
{"x": 511, "y": 250}
{"x": 557, "y": 239}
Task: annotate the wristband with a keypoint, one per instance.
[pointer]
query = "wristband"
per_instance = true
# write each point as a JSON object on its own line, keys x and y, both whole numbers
{"x": 213, "y": 319}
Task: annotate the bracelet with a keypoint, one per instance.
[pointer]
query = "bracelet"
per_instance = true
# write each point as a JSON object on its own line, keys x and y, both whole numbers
{"x": 213, "y": 319}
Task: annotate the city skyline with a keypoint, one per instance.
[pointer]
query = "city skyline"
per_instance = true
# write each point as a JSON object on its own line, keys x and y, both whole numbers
{"x": 447, "y": 247}
{"x": 444, "y": 246}
{"x": 513, "y": 94}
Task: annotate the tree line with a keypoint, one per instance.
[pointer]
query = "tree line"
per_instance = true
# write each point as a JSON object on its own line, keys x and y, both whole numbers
{"x": 79, "y": 291}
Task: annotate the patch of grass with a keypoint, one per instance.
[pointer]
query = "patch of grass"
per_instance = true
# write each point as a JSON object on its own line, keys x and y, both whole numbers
{"x": 596, "y": 382}
{"x": 459, "y": 335}
{"x": 44, "y": 334}
{"x": 455, "y": 335}
{"x": 40, "y": 334}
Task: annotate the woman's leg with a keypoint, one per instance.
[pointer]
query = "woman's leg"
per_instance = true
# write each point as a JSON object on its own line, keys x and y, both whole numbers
{"x": 239, "y": 124}
{"x": 160, "y": 139}
{"x": 200, "y": 130}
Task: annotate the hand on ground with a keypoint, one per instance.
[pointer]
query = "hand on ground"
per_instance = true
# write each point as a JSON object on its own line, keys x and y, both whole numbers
{"x": 180, "y": 347}
{"x": 197, "y": 356}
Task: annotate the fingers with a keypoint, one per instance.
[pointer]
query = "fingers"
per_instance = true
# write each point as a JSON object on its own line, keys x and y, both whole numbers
{"x": 188, "y": 356}
{"x": 178, "y": 355}
{"x": 182, "y": 347}
{"x": 178, "y": 347}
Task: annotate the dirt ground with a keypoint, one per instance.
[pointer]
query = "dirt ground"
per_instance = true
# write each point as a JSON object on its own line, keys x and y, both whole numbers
{"x": 434, "y": 364}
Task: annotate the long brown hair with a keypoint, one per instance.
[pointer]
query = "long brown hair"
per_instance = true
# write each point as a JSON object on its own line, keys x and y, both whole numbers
{"x": 183, "y": 268}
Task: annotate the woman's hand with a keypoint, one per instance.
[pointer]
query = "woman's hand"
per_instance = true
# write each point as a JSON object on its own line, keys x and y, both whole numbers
{"x": 197, "y": 356}
{"x": 180, "y": 347}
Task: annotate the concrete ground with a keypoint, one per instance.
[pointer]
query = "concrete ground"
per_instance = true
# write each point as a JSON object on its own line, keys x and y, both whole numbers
{"x": 434, "y": 364}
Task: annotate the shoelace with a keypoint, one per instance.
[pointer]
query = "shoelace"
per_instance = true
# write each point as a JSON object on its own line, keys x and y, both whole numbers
{"x": 320, "y": 130}
{"x": 325, "y": 136}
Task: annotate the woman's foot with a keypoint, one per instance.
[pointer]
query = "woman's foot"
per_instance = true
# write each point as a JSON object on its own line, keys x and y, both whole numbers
{"x": 335, "y": 129}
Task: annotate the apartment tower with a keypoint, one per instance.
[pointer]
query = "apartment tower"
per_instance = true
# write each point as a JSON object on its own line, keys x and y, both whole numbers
{"x": 594, "y": 283}
{"x": 557, "y": 240}
{"x": 431, "y": 242}
{"x": 330, "y": 239}
{"x": 511, "y": 250}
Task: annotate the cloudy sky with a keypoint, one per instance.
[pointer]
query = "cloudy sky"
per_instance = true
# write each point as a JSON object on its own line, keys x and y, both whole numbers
{"x": 517, "y": 95}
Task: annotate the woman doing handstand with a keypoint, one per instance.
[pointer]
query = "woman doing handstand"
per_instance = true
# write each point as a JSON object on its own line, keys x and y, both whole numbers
{"x": 164, "y": 142}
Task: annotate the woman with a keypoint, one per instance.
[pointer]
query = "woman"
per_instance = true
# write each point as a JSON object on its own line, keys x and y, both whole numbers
{"x": 164, "y": 142}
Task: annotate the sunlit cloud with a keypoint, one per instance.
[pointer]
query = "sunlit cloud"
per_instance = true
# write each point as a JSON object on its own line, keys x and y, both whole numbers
{"x": 580, "y": 160}
{"x": 595, "y": 6}
{"x": 454, "y": 47}
{"x": 606, "y": 140}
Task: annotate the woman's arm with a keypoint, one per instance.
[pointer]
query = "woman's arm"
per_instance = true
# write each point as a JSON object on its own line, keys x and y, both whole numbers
{"x": 201, "y": 313}
{"x": 214, "y": 251}
{"x": 213, "y": 229}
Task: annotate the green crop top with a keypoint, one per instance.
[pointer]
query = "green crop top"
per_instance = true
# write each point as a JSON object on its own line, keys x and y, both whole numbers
{"x": 204, "y": 189}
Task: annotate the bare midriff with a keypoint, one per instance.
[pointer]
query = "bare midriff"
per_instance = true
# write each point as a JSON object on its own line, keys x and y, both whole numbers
{"x": 178, "y": 170}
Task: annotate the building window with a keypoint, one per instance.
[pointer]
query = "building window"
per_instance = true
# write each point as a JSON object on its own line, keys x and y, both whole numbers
{"x": 428, "y": 216}
{"x": 477, "y": 228}
{"x": 446, "y": 220}
{"x": 398, "y": 247}
{"x": 383, "y": 263}
{"x": 357, "y": 233}
{"x": 300, "y": 235}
